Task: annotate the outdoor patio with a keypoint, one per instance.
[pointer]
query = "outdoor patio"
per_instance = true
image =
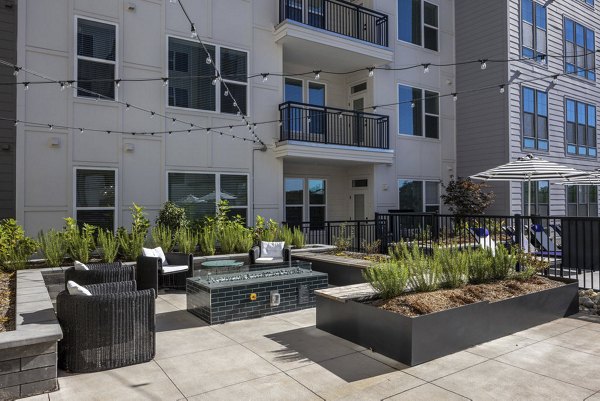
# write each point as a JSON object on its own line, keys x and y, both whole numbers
{"x": 284, "y": 357}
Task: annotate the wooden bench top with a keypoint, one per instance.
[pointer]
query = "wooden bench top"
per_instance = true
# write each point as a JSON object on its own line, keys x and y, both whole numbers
{"x": 355, "y": 292}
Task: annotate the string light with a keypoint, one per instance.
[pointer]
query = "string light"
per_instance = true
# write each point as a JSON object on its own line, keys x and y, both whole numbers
{"x": 26, "y": 86}
{"x": 425, "y": 68}
{"x": 165, "y": 81}
{"x": 81, "y": 130}
{"x": 455, "y": 96}
{"x": 501, "y": 88}
{"x": 62, "y": 86}
{"x": 16, "y": 123}
{"x": 16, "y": 70}
{"x": 50, "y": 127}
{"x": 174, "y": 121}
{"x": 127, "y": 106}
{"x": 118, "y": 83}
{"x": 555, "y": 79}
{"x": 265, "y": 77}
{"x": 194, "y": 33}
{"x": 208, "y": 60}
{"x": 483, "y": 64}
{"x": 371, "y": 72}
{"x": 413, "y": 105}
{"x": 317, "y": 75}
{"x": 226, "y": 93}
{"x": 152, "y": 114}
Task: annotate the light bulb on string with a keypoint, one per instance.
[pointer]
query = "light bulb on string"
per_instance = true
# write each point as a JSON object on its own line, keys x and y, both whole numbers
{"x": 265, "y": 77}
{"x": 16, "y": 123}
{"x": 226, "y": 93}
{"x": 127, "y": 106}
{"x": 231, "y": 128}
{"x": 425, "y": 68}
{"x": 81, "y": 130}
{"x": 555, "y": 79}
{"x": 455, "y": 97}
{"x": 26, "y": 86}
{"x": 50, "y": 127}
{"x": 117, "y": 83}
{"x": 165, "y": 81}
{"x": 483, "y": 64}
{"x": 371, "y": 72}
{"x": 214, "y": 81}
{"x": 62, "y": 86}
{"x": 194, "y": 34}
{"x": 152, "y": 114}
{"x": 174, "y": 121}
{"x": 413, "y": 105}
{"x": 317, "y": 75}
{"x": 208, "y": 60}
{"x": 16, "y": 70}
{"x": 374, "y": 109}
{"x": 502, "y": 89}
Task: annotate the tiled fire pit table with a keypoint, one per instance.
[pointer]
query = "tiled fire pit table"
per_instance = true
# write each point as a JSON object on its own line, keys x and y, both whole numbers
{"x": 257, "y": 291}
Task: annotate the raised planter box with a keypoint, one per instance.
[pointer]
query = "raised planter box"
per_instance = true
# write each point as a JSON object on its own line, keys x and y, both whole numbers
{"x": 341, "y": 270}
{"x": 28, "y": 354}
{"x": 415, "y": 340}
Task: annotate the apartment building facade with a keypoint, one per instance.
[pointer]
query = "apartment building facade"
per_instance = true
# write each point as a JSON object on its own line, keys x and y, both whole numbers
{"x": 550, "y": 107}
{"x": 339, "y": 145}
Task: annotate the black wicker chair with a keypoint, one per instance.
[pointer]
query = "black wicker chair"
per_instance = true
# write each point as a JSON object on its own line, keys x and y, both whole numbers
{"x": 151, "y": 274}
{"x": 113, "y": 327}
{"x": 100, "y": 273}
{"x": 254, "y": 254}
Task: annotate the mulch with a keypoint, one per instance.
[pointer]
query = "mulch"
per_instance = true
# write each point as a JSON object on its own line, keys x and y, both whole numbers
{"x": 417, "y": 304}
{"x": 7, "y": 301}
{"x": 374, "y": 257}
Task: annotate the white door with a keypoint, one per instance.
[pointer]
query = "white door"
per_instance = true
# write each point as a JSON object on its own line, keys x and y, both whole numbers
{"x": 359, "y": 206}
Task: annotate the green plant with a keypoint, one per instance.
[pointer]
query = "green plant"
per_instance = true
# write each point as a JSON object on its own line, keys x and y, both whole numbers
{"x": 130, "y": 244}
{"x": 503, "y": 263}
{"x": 286, "y": 234}
{"x": 424, "y": 271}
{"x": 162, "y": 236}
{"x": 398, "y": 250}
{"x": 389, "y": 278}
{"x": 79, "y": 241}
{"x": 186, "y": 240}
{"x": 265, "y": 231}
{"x": 465, "y": 197}
{"x": 480, "y": 265}
{"x": 371, "y": 248}
{"x": 298, "y": 240}
{"x": 15, "y": 247}
{"x": 172, "y": 217}
{"x": 109, "y": 246}
{"x": 529, "y": 265}
{"x": 52, "y": 245}
{"x": 206, "y": 240}
{"x": 454, "y": 267}
{"x": 343, "y": 241}
{"x": 139, "y": 222}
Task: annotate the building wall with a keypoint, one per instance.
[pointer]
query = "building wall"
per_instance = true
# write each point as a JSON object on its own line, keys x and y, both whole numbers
{"x": 8, "y": 52}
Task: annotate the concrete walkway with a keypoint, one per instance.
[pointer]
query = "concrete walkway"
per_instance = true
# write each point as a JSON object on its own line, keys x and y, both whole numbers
{"x": 285, "y": 357}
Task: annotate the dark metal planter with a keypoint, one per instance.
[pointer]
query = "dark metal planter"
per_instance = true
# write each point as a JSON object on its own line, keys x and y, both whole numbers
{"x": 415, "y": 340}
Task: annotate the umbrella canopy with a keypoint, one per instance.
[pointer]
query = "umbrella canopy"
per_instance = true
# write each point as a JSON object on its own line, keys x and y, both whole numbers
{"x": 592, "y": 178}
{"x": 530, "y": 168}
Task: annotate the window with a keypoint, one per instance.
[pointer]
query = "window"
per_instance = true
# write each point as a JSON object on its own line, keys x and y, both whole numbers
{"x": 95, "y": 197}
{"x": 418, "y": 23}
{"x": 360, "y": 183}
{"x": 589, "y": 2}
{"x": 418, "y": 112}
{"x": 580, "y": 48}
{"x": 200, "y": 193}
{"x": 582, "y": 200}
{"x": 188, "y": 58}
{"x": 540, "y": 198}
{"x": 534, "y": 31}
{"x": 418, "y": 196}
{"x": 297, "y": 204}
{"x": 581, "y": 128}
{"x": 96, "y": 59}
{"x": 534, "y": 104}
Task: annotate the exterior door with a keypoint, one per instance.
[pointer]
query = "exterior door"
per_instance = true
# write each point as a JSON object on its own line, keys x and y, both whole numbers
{"x": 359, "y": 206}
{"x": 358, "y": 104}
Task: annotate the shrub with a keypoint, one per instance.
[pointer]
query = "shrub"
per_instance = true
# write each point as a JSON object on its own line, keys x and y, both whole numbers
{"x": 52, "y": 245}
{"x": 109, "y": 246}
{"x": 398, "y": 251}
{"x": 186, "y": 240}
{"x": 298, "y": 240}
{"x": 371, "y": 248}
{"x": 454, "y": 267}
{"x": 343, "y": 241}
{"x": 130, "y": 244}
{"x": 139, "y": 222}
{"x": 465, "y": 197}
{"x": 480, "y": 266}
{"x": 389, "y": 278}
{"x": 15, "y": 247}
{"x": 424, "y": 271}
{"x": 206, "y": 240}
{"x": 79, "y": 241}
{"x": 286, "y": 235}
{"x": 503, "y": 264}
{"x": 268, "y": 231}
{"x": 163, "y": 236}
{"x": 529, "y": 265}
{"x": 172, "y": 216}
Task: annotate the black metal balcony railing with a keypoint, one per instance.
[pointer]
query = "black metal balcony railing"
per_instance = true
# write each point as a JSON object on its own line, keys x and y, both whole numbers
{"x": 338, "y": 16}
{"x": 308, "y": 123}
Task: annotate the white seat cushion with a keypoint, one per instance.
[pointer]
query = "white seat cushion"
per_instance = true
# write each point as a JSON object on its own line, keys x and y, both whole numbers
{"x": 80, "y": 266}
{"x": 271, "y": 249}
{"x": 76, "y": 289}
{"x": 174, "y": 268}
{"x": 269, "y": 260}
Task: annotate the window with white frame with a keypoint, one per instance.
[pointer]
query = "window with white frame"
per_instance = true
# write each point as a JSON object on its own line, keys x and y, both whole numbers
{"x": 418, "y": 196}
{"x": 305, "y": 199}
{"x": 580, "y": 50}
{"x": 192, "y": 82}
{"x": 582, "y": 200}
{"x": 581, "y": 128}
{"x": 96, "y": 59}
{"x": 533, "y": 31}
{"x": 95, "y": 197}
{"x": 418, "y": 112}
{"x": 534, "y": 104}
{"x": 200, "y": 193}
{"x": 418, "y": 23}
{"x": 540, "y": 198}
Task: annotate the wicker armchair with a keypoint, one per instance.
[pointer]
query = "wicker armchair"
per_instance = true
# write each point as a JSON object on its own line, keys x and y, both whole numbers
{"x": 113, "y": 327}
{"x": 100, "y": 273}
{"x": 150, "y": 272}
{"x": 256, "y": 259}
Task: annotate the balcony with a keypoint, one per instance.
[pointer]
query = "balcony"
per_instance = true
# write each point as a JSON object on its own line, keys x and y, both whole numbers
{"x": 333, "y": 32}
{"x": 333, "y": 134}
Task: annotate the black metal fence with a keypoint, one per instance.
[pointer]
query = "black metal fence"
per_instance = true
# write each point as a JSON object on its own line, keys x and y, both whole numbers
{"x": 308, "y": 123}
{"x": 341, "y": 17}
{"x": 356, "y": 235}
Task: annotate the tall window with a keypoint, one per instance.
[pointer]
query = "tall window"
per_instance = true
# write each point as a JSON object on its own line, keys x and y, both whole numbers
{"x": 418, "y": 112}
{"x": 540, "y": 198}
{"x": 300, "y": 207}
{"x": 188, "y": 59}
{"x": 95, "y": 197}
{"x": 534, "y": 105}
{"x": 418, "y": 196}
{"x": 418, "y": 23}
{"x": 582, "y": 200}
{"x": 581, "y": 128}
{"x": 534, "y": 30}
{"x": 200, "y": 193}
{"x": 580, "y": 48}
{"x": 96, "y": 59}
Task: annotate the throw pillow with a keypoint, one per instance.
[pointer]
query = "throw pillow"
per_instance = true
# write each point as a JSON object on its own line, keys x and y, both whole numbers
{"x": 158, "y": 252}
{"x": 149, "y": 252}
{"x": 271, "y": 249}
{"x": 76, "y": 289}
{"x": 80, "y": 266}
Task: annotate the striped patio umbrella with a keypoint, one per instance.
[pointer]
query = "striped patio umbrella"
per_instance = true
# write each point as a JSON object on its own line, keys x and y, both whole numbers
{"x": 592, "y": 178}
{"x": 530, "y": 168}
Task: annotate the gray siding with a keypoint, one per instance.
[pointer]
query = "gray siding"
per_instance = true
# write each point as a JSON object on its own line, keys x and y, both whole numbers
{"x": 8, "y": 51}
{"x": 567, "y": 87}
{"x": 482, "y": 116}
